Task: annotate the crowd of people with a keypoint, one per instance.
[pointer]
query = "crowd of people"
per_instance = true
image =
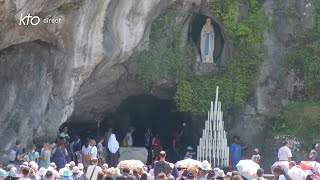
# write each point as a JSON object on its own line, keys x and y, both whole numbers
{"x": 68, "y": 159}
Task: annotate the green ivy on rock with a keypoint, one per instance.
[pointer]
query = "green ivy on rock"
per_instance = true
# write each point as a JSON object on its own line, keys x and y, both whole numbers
{"x": 166, "y": 55}
{"x": 304, "y": 59}
{"x": 300, "y": 119}
{"x": 246, "y": 36}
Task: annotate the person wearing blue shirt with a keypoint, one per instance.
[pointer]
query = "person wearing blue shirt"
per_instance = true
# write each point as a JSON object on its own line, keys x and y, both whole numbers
{"x": 235, "y": 151}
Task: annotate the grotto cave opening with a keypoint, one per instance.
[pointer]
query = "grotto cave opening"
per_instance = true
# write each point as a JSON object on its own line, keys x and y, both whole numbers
{"x": 141, "y": 112}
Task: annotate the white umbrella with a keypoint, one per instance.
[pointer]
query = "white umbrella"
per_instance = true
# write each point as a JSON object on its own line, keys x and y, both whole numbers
{"x": 248, "y": 168}
{"x": 283, "y": 164}
{"x": 131, "y": 164}
{"x": 186, "y": 163}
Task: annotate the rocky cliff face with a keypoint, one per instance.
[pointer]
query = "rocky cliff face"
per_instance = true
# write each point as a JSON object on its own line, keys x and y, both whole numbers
{"x": 274, "y": 84}
{"x": 49, "y": 71}
{"x": 82, "y": 67}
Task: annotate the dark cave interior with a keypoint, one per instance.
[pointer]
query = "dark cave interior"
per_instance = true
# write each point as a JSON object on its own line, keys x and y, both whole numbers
{"x": 141, "y": 112}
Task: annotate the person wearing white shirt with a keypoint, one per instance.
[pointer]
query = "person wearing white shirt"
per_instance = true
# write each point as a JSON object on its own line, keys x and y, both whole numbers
{"x": 64, "y": 134}
{"x": 93, "y": 170}
{"x": 284, "y": 153}
{"x": 86, "y": 153}
{"x": 295, "y": 172}
{"x": 94, "y": 150}
{"x": 129, "y": 137}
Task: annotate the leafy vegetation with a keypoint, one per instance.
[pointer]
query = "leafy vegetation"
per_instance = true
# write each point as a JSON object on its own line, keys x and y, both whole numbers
{"x": 301, "y": 119}
{"x": 246, "y": 36}
{"x": 166, "y": 55}
{"x": 304, "y": 59}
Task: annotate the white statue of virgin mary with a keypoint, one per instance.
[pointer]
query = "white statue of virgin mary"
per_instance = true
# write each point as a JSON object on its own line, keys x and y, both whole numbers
{"x": 207, "y": 42}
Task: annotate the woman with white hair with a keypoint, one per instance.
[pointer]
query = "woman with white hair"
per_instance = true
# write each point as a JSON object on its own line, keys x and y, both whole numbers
{"x": 113, "y": 151}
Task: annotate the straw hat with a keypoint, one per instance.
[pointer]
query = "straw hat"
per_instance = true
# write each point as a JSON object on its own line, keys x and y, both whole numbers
{"x": 205, "y": 166}
{"x": 33, "y": 165}
{"x": 220, "y": 173}
{"x": 189, "y": 148}
{"x": 80, "y": 166}
{"x": 42, "y": 171}
{"x": 50, "y": 168}
{"x": 72, "y": 164}
{"x": 75, "y": 169}
{"x": 67, "y": 166}
{"x": 53, "y": 165}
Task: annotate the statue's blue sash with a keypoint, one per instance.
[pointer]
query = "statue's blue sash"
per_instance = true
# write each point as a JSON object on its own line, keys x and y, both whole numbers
{"x": 206, "y": 47}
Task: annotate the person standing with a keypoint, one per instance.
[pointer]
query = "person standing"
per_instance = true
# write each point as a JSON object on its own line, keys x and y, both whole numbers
{"x": 100, "y": 151}
{"x": 128, "y": 138}
{"x": 284, "y": 153}
{"x": 24, "y": 155}
{"x": 64, "y": 134}
{"x": 107, "y": 135}
{"x": 33, "y": 154}
{"x": 15, "y": 154}
{"x": 86, "y": 150}
{"x": 60, "y": 154}
{"x": 235, "y": 151}
{"x": 256, "y": 156}
{"x": 45, "y": 156}
{"x": 76, "y": 148}
{"x": 162, "y": 166}
{"x": 148, "y": 144}
{"x": 148, "y": 138}
{"x": 113, "y": 151}
{"x": 175, "y": 146}
{"x": 156, "y": 146}
{"x": 93, "y": 150}
{"x": 93, "y": 170}
{"x": 295, "y": 172}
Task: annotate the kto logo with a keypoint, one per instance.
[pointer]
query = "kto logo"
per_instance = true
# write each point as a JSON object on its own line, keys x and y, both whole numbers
{"x": 33, "y": 20}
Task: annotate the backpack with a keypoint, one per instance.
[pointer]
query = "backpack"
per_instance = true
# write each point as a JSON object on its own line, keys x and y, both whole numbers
{"x": 32, "y": 156}
{"x": 13, "y": 154}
